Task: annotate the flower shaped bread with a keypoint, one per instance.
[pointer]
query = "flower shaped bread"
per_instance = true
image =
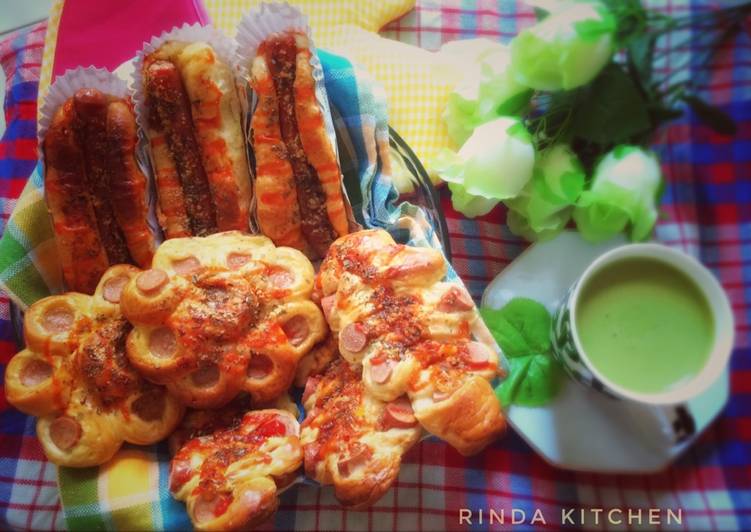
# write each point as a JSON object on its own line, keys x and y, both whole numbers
{"x": 413, "y": 335}
{"x": 230, "y": 477}
{"x": 220, "y": 314}
{"x": 75, "y": 377}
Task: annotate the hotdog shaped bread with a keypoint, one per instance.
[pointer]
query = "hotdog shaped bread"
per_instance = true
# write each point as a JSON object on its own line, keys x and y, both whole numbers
{"x": 229, "y": 478}
{"x": 95, "y": 191}
{"x": 413, "y": 334}
{"x": 196, "y": 139}
{"x": 350, "y": 438}
{"x": 299, "y": 201}
{"x": 220, "y": 314}
{"x": 74, "y": 376}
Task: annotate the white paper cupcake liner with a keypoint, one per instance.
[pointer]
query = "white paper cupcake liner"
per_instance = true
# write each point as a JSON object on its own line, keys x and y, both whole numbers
{"x": 107, "y": 82}
{"x": 68, "y": 84}
{"x": 256, "y": 26}
{"x": 225, "y": 49}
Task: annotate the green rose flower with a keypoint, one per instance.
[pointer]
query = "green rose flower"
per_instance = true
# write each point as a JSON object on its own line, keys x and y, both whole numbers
{"x": 487, "y": 89}
{"x": 544, "y": 206}
{"x": 494, "y": 164}
{"x": 565, "y": 50}
{"x": 625, "y": 191}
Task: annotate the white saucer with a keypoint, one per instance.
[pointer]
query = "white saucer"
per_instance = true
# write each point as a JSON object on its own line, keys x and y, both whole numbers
{"x": 582, "y": 429}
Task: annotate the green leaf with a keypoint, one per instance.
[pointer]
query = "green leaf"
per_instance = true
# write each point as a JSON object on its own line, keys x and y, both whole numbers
{"x": 712, "y": 116}
{"x": 640, "y": 55}
{"x": 591, "y": 30}
{"x": 522, "y": 327}
{"x": 541, "y": 14}
{"x": 611, "y": 111}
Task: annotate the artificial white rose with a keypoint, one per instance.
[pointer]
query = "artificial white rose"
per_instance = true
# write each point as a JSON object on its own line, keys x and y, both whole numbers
{"x": 565, "y": 50}
{"x": 625, "y": 190}
{"x": 487, "y": 88}
{"x": 495, "y": 163}
{"x": 544, "y": 206}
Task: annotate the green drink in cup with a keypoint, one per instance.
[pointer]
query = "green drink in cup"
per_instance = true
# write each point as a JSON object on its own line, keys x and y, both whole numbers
{"x": 645, "y": 323}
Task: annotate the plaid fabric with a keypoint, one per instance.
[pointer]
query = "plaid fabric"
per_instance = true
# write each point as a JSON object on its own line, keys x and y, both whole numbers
{"x": 707, "y": 206}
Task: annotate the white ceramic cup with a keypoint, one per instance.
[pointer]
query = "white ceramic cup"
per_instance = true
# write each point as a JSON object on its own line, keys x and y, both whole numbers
{"x": 569, "y": 351}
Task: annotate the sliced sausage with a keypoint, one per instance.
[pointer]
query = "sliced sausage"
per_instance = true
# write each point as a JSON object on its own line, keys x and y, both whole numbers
{"x": 205, "y": 377}
{"x": 327, "y": 305}
{"x": 399, "y": 414}
{"x": 187, "y": 266}
{"x": 455, "y": 299}
{"x": 65, "y": 432}
{"x": 359, "y": 455}
{"x": 297, "y": 329}
{"x": 237, "y": 260}
{"x": 260, "y": 366}
{"x": 281, "y": 279}
{"x": 150, "y": 405}
{"x": 310, "y": 387}
{"x": 162, "y": 342}
{"x": 380, "y": 372}
{"x": 151, "y": 280}
{"x": 478, "y": 353}
{"x": 113, "y": 288}
{"x": 58, "y": 319}
{"x": 34, "y": 373}
{"x": 353, "y": 338}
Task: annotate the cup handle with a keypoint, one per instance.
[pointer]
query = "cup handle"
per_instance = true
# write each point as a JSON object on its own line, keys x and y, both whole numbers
{"x": 662, "y": 426}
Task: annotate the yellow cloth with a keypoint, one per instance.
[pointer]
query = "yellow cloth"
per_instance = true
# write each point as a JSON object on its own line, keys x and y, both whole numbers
{"x": 417, "y": 82}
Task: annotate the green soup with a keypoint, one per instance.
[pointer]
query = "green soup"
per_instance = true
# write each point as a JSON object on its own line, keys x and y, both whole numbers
{"x": 644, "y": 325}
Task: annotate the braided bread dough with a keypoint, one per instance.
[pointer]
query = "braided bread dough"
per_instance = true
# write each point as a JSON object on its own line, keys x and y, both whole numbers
{"x": 413, "y": 334}
{"x": 74, "y": 376}
{"x": 221, "y": 314}
{"x": 350, "y": 438}
{"x": 229, "y": 478}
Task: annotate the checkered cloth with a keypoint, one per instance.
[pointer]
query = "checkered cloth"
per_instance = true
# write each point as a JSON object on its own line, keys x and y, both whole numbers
{"x": 708, "y": 213}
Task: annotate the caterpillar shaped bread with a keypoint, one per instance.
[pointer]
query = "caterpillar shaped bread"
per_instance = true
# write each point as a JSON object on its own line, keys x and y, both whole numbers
{"x": 75, "y": 377}
{"x": 419, "y": 339}
{"x": 221, "y": 314}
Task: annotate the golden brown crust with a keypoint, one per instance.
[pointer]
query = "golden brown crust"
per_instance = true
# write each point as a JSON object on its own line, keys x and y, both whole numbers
{"x": 347, "y": 439}
{"x": 222, "y": 314}
{"x": 314, "y": 139}
{"x": 75, "y": 378}
{"x": 201, "y": 160}
{"x": 128, "y": 184}
{"x": 299, "y": 184}
{"x": 277, "y": 211}
{"x": 229, "y": 478}
{"x": 468, "y": 420}
{"x": 82, "y": 255}
{"x": 413, "y": 334}
{"x": 216, "y": 118}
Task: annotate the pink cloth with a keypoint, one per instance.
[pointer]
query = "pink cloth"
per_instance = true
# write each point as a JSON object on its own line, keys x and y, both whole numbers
{"x": 108, "y": 33}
